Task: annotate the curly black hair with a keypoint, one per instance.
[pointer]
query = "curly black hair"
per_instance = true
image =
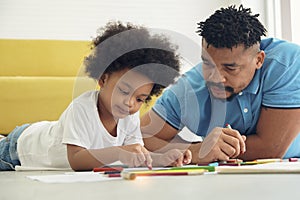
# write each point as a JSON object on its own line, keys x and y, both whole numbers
{"x": 229, "y": 27}
{"x": 119, "y": 46}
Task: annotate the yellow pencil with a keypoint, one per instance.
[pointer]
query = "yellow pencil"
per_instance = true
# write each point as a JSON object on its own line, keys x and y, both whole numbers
{"x": 261, "y": 161}
{"x": 268, "y": 160}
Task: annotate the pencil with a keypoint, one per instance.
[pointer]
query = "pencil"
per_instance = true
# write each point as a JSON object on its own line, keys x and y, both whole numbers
{"x": 234, "y": 160}
{"x": 229, "y": 164}
{"x": 114, "y": 175}
{"x": 207, "y": 167}
{"x": 228, "y": 126}
{"x": 112, "y": 172}
{"x": 170, "y": 174}
{"x": 132, "y": 175}
{"x": 293, "y": 159}
{"x": 261, "y": 161}
{"x": 268, "y": 160}
{"x": 105, "y": 169}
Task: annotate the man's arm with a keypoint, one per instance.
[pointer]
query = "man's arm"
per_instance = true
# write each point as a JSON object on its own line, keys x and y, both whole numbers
{"x": 221, "y": 144}
{"x": 157, "y": 134}
{"x": 276, "y": 129}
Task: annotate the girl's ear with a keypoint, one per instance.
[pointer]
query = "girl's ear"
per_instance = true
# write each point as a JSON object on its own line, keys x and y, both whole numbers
{"x": 103, "y": 79}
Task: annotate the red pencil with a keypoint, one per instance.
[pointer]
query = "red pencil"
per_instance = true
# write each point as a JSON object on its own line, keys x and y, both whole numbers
{"x": 105, "y": 169}
{"x": 165, "y": 174}
{"x": 114, "y": 175}
{"x": 229, "y": 164}
{"x": 293, "y": 159}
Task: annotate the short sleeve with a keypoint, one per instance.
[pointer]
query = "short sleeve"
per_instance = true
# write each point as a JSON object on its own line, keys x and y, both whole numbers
{"x": 76, "y": 126}
{"x": 168, "y": 108}
{"x": 184, "y": 103}
{"x": 281, "y": 86}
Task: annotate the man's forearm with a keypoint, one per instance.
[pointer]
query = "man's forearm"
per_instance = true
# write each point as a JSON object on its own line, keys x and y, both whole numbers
{"x": 256, "y": 148}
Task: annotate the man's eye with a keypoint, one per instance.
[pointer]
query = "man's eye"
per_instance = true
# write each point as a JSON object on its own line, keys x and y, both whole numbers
{"x": 141, "y": 100}
{"x": 231, "y": 68}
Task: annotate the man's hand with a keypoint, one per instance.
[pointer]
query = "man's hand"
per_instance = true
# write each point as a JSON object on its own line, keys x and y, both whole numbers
{"x": 220, "y": 144}
{"x": 135, "y": 155}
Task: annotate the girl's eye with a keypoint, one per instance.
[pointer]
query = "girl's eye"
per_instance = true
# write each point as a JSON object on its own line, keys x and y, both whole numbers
{"x": 123, "y": 91}
{"x": 208, "y": 64}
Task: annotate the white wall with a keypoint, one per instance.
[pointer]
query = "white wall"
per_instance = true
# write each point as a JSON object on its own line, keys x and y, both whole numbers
{"x": 295, "y": 5}
{"x": 257, "y": 7}
{"x": 78, "y": 20}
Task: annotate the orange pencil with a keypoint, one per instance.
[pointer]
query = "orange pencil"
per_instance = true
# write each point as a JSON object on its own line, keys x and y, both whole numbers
{"x": 132, "y": 175}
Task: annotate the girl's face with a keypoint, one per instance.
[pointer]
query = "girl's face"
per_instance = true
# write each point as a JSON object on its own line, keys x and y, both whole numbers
{"x": 122, "y": 93}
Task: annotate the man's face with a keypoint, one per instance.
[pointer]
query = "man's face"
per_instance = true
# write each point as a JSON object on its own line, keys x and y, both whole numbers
{"x": 229, "y": 71}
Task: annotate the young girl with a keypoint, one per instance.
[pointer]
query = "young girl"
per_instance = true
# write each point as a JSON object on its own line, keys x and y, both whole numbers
{"x": 101, "y": 127}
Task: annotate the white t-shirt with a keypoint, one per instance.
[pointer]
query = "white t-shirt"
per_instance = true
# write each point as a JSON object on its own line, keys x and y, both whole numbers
{"x": 43, "y": 144}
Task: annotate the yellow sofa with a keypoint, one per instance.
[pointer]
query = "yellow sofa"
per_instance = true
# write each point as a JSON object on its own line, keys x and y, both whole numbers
{"x": 39, "y": 78}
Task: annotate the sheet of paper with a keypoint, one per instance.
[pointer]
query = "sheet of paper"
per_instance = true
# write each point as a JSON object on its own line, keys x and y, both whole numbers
{"x": 72, "y": 177}
{"x": 22, "y": 168}
{"x": 274, "y": 167}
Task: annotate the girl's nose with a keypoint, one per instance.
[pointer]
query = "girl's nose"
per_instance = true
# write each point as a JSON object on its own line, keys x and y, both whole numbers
{"x": 216, "y": 76}
{"x": 129, "y": 101}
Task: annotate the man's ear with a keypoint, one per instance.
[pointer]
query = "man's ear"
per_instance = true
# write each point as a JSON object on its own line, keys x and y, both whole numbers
{"x": 103, "y": 79}
{"x": 260, "y": 59}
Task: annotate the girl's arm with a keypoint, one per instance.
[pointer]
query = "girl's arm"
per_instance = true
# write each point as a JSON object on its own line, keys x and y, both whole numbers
{"x": 86, "y": 159}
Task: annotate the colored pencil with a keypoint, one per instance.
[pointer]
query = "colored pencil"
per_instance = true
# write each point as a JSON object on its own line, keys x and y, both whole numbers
{"x": 104, "y": 169}
{"x": 132, "y": 175}
{"x": 199, "y": 166}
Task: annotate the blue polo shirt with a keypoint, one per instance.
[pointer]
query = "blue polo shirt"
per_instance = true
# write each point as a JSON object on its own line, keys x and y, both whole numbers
{"x": 276, "y": 84}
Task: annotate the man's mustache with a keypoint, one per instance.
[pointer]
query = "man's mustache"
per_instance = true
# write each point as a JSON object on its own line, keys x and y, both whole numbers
{"x": 220, "y": 86}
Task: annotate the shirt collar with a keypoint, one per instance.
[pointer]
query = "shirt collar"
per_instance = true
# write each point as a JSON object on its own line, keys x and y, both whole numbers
{"x": 254, "y": 84}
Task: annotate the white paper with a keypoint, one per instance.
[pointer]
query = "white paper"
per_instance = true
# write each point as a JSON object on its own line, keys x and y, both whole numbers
{"x": 275, "y": 167}
{"x": 22, "y": 168}
{"x": 73, "y": 177}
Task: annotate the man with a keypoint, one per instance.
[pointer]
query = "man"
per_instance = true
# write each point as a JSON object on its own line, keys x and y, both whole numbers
{"x": 252, "y": 84}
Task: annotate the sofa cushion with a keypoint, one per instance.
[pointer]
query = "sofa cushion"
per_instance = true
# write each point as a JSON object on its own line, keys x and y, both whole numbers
{"x": 32, "y": 99}
{"x": 39, "y": 79}
{"x": 41, "y": 57}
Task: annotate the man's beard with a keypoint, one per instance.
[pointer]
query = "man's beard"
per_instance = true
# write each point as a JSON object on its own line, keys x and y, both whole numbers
{"x": 221, "y": 87}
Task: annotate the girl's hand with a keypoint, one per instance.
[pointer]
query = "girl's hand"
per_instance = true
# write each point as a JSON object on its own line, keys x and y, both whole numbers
{"x": 174, "y": 157}
{"x": 135, "y": 155}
